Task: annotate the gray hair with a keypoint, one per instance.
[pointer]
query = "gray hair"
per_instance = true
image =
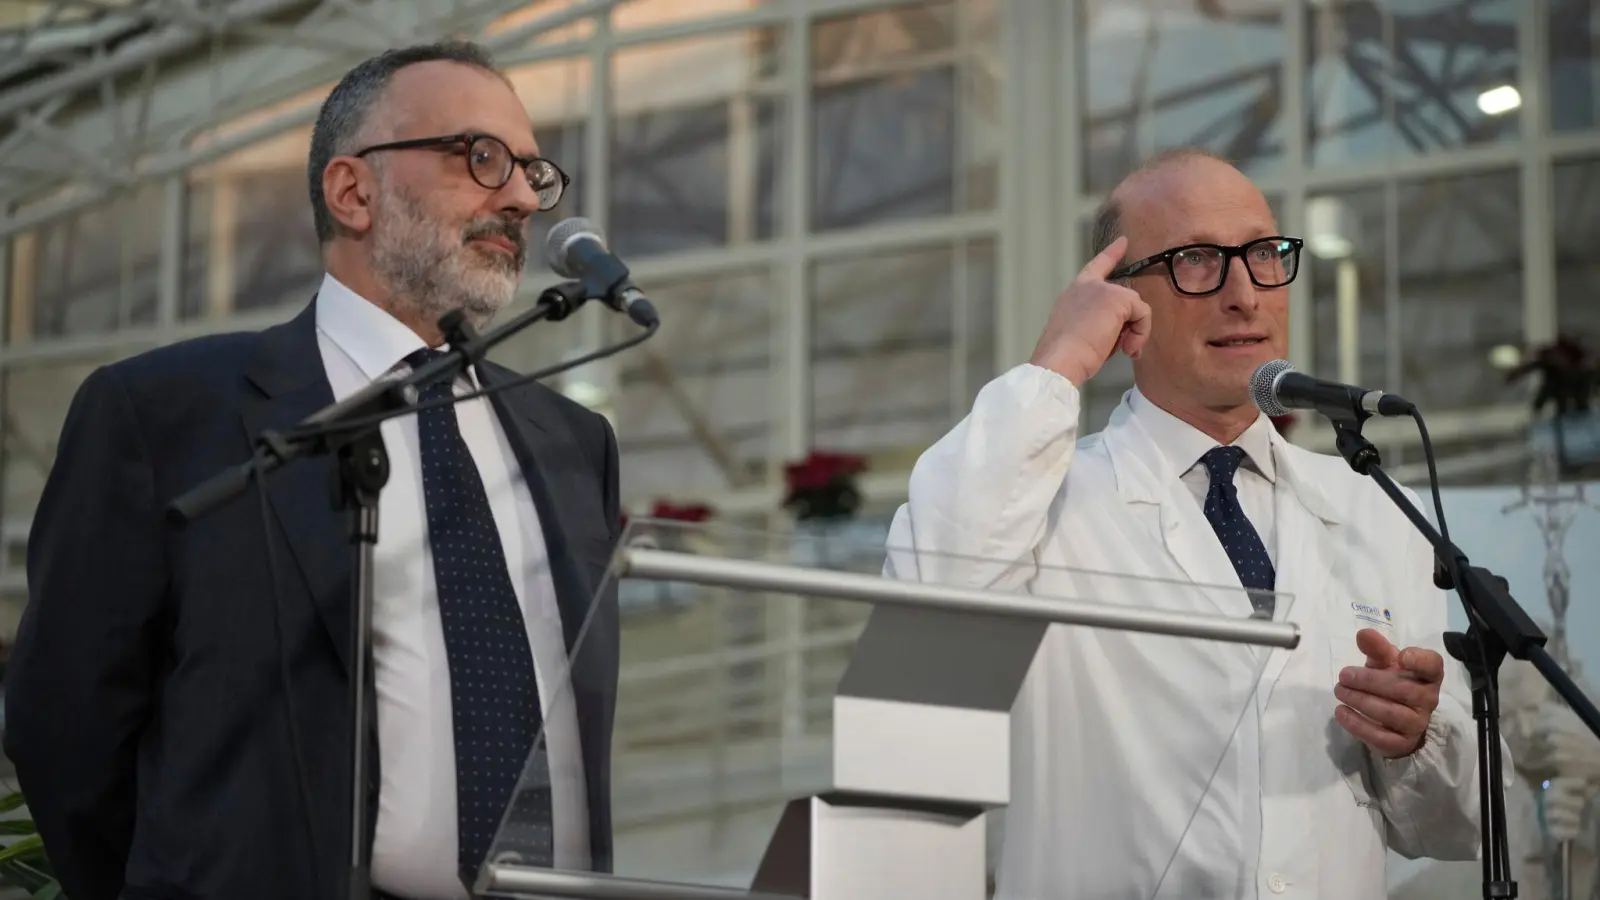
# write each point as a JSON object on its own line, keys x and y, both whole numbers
{"x": 344, "y": 116}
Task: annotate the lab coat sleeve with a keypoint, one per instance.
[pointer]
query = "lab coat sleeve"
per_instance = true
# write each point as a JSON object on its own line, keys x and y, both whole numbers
{"x": 1430, "y": 798}
{"x": 980, "y": 498}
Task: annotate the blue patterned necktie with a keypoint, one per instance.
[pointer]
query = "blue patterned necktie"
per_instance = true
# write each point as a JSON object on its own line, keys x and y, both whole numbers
{"x": 1239, "y": 538}
{"x": 494, "y": 696}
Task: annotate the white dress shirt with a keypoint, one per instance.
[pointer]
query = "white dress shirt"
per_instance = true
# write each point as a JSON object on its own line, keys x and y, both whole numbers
{"x": 1183, "y": 445}
{"x": 415, "y": 849}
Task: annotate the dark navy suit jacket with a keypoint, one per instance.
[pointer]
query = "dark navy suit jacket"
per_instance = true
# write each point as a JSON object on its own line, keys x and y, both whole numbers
{"x": 146, "y": 709}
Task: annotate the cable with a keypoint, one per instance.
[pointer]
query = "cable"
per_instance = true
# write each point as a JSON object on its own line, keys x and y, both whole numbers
{"x": 296, "y": 746}
{"x": 1433, "y": 473}
{"x": 1492, "y": 802}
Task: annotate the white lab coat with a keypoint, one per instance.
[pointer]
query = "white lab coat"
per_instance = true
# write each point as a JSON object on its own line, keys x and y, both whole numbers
{"x": 1115, "y": 736}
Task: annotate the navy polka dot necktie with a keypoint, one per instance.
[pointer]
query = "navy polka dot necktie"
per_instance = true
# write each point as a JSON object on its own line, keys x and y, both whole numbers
{"x": 1239, "y": 538}
{"x": 494, "y": 696}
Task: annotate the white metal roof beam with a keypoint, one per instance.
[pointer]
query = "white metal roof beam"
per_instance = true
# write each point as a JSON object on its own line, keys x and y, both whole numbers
{"x": 166, "y": 41}
{"x": 141, "y": 161}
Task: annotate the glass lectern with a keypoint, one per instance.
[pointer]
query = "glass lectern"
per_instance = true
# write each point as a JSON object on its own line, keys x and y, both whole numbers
{"x": 813, "y": 715}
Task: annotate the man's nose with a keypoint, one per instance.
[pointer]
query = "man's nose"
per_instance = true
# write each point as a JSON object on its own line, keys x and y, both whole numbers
{"x": 1239, "y": 292}
{"x": 517, "y": 197}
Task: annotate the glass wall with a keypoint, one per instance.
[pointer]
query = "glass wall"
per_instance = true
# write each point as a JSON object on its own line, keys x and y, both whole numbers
{"x": 1449, "y": 226}
{"x": 810, "y": 198}
{"x": 822, "y": 199}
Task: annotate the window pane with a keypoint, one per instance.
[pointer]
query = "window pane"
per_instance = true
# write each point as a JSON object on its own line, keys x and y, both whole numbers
{"x": 534, "y": 11}
{"x": 917, "y": 34}
{"x": 696, "y": 144}
{"x": 905, "y": 114}
{"x": 695, "y": 409}
{"x": 1182, "y": 72}
{"x": 1448, "y": 68}
{"x": 656, "y": 13}
{"x": 37, "y": 395}
{"x": 884, "y": 150}
{"x": 1577, "y": 232}
{"x": 91, "y": 272}
{"x": 1574, "y": 27}
{"x": 979, "y": 103}
{"x": 276, "y": 257}
{"x": 253, "y": 244}
{"x": 1347, "y": 87}
{"x": 887, "y": 357}
{"x": 1347, "y": 260}
{"x": 1456, "y": 72}
{"x": 1460, "y": 259}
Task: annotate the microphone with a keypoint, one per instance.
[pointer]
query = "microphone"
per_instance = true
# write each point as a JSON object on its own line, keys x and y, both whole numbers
{"x": 1277, "y": 388}
{"x": 574, "y": 248}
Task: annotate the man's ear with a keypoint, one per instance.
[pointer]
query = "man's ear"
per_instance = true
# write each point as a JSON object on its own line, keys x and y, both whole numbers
{"x": 348, "y": 186}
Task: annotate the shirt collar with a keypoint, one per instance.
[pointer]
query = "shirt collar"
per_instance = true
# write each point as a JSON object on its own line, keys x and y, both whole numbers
{"x": 372, "y": 338}
{"x": 1182, "y": 444}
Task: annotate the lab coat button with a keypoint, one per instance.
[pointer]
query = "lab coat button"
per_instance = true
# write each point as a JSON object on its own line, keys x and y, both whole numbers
{"x": 1277, "y": 883}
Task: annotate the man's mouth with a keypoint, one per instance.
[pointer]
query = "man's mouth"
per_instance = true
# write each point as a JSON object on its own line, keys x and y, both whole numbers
{"x": 498, "y": 243}
{"x": 1241, "y": 341}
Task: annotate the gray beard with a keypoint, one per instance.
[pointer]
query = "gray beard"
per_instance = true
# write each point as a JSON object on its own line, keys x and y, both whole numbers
{"x": 430, "y": 272}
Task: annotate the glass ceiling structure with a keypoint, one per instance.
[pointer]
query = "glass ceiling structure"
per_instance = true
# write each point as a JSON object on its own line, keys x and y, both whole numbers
{"x": 97, "y": 96}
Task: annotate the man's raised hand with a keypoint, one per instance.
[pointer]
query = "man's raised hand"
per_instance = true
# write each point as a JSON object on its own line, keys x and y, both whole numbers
{"x": 1091, "y": 319}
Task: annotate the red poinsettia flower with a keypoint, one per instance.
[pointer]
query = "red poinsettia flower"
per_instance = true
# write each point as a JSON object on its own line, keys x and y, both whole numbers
{"x": 822, "y": 486}
{"x": 821, "y": 468}
{"x": 681, "y": 512}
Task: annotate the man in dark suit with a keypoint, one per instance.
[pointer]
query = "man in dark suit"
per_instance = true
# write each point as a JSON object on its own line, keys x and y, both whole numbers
{"x": 180, "y": 730}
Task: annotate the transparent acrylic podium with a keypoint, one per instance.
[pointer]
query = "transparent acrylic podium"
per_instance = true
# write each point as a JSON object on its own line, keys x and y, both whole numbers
{"x": 812, "y": 714}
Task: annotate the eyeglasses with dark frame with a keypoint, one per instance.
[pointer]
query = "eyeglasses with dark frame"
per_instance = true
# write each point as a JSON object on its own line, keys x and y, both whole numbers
{"x": 491, "y": 163}
{"x": 1197, "y": 270}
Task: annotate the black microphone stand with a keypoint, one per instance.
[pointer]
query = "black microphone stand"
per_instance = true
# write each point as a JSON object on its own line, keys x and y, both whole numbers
{"x": 349, "y": 429}
{"x": 1497, "y": 626}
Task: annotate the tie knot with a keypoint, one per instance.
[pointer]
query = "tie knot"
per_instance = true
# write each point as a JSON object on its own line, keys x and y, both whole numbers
{"x": 419, "y": 358}
{"x": 1222, "y": 462}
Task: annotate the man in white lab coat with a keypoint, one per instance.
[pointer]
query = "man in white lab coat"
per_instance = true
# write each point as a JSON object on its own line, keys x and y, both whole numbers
{"x": 1146, "y": 764}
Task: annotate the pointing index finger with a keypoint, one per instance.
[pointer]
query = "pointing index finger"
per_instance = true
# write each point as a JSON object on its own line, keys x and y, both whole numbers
{"x": 1104, "y": 262}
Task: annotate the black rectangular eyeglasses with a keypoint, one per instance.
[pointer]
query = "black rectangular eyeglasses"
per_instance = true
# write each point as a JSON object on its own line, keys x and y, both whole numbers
{"x": 1200, "y": 269}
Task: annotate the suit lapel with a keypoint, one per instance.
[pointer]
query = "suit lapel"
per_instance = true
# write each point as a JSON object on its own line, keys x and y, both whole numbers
{"x": 292, "y": 383}
{"x": 529, "y": 442}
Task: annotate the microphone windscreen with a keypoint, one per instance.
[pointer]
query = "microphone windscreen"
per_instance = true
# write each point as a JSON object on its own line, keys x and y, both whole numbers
{"x": 560, "y": 237}
{"x": 1263, "y": 386}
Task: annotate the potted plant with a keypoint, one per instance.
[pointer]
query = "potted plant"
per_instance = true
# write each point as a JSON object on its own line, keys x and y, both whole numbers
{"x": 23, "y": 864}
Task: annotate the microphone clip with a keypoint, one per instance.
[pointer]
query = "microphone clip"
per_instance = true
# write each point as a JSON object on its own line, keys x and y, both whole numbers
{"x": 561, "y": 300}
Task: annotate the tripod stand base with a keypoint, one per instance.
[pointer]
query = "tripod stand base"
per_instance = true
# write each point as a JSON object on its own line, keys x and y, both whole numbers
{"x": 844, "y": 848}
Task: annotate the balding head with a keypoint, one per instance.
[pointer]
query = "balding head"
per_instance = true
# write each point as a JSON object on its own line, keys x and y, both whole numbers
{"x": 1108, "y": 217}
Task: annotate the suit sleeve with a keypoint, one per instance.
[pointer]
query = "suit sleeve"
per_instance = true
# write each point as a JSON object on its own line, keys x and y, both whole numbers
{"x": 82, "y": 674}
{"x": 979, "y": 499}
{"x": 1430, "y": 798}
